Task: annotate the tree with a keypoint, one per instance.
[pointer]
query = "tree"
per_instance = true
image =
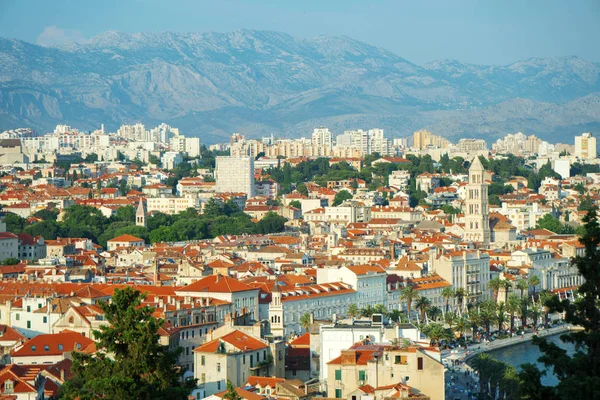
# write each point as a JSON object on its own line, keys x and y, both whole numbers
{"x": 512, "y": 308}
{"x": 46, "y": 214}
{"x": 295, "y": 204}
{"x": 501, "y": 315}
{"x": 270, "y": 223}
{"x": 544, "y": 298}
{"x": 408, "y": 294}
{"x": 522, "y": 285}
{"x": 447, "y": 294}
{"x": 487, "y": 313}
{"x": 494, "y": 285}
{"x": 579, "y": 374}
{"x": 422, "y": 304}
{"x": 139, "y": 366}
{"x": 305, "y": 321}
{"x": 436, "y": 333}
{"x": 460, "y": 294}
{"x": 397, "y": 316}
{"x": 301, "y": 188}
{"x": 231, "y": 393}
{"x": 353, "y": 311}
{"x": 341, "y": 196}
{"x": 534, "y": 280}
{"x": 507, "y": 286}
{"x": 10, "y": 261}
{"x": 367, "y": 311}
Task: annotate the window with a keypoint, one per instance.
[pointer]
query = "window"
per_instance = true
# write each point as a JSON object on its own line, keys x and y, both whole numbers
{"x": 338, "y": 393}
{"x": 46, "y": 348}
{"x": 420, "y": 363}
{"x": 45, "y": 319}
{"x": 218, "y": 367}
{"x": 33, "y": 348}
{"x": 60, "y": 346}
{"x": 18, "y": 317}
{"x": 28, "y": 308}
{"x": 243, "y": 359}
{"x": 203, "y": 360}
{"x": 362, "y": 376}
{"x": 400, "y": 360}
{"x": 338, "y": 374}
{"x": 28, "y": 324}
{"x": 219, "y": 385}
{"x": 71, "y": 319}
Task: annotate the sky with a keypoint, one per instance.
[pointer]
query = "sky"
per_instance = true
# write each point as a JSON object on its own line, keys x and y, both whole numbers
{"x": 480, "y": 32}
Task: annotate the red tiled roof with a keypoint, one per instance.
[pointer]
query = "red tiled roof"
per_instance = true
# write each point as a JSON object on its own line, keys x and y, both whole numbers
{"x": 217, "y": 284}
{"x": 237, "y": 339}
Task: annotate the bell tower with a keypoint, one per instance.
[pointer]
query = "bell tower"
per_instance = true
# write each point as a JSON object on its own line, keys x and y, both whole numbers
{"x": 276, "y": 312}
{"x": 140, "y": 214}
{"x": 477, "y": 216}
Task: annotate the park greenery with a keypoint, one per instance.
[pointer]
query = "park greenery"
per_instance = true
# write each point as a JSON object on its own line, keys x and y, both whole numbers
{"x": 88, "y": 222}
{"x": 130, "y": 362}
{"x": 376, "y": 174}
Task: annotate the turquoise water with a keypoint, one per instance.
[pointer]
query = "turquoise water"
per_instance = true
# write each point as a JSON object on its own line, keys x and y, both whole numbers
{"x": 529, "y": 353}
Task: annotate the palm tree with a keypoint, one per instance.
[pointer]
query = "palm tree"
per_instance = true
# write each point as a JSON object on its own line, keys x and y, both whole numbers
{"x": 507, "y": 285}
{"x": 305, "y": 321}
{"x": 494, "y": 285}
{"x": 422, "y": 304}
{"x": 536, "y": 312}
{"x": 523, "y": 311}
{"x": 434, "y": 313}
{"x": 534, "y": 280}
{"x": 380, "y": 309}
{"x": 522, "y": 285}
{"x": 487, "y": 313}
{"x": 501, "y": 315}
{"x": 436, "y": 332}
{"x": 397, "y": 316}
{"x": 408, "y": 294}
{"x": 450, "y": 319}
{"x": 512, "y": 307}
{"x": 460, "y": 294}
{"x": 462, "y": 324}
{"x": 447, "y": 293}
{"x": 353, "y": 311}
{"x": 367, "y": 311}
{"x": 544, "y": 297}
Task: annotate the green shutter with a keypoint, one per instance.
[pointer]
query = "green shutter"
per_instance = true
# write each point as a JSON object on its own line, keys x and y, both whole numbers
{"x": 338, "y": 393}
{"x": 362, "y": 376}
{"x": 338, "y": 374}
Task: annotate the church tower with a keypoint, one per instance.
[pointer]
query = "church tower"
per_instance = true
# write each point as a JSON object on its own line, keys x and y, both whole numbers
{"x": 140, "y": 214}
{"x": 477, "y": 217}
{"x": 276, "y": 313}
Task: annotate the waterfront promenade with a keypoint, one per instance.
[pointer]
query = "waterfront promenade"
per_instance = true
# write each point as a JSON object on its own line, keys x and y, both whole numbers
{"x": 461, "y": 378}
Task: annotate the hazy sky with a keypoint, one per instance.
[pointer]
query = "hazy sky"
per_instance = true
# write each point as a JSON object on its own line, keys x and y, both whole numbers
{"x": 485, "y": 32}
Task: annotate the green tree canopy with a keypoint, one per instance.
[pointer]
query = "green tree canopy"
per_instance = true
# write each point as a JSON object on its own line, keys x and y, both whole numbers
{"x": 138, "y": 367}
{"x": 341, "y": 196}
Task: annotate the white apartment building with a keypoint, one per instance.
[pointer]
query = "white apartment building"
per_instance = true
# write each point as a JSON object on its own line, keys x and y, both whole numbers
{"x": 369, "y": 281}
{"x": 171, "y": 159}
{"x": 235, "y": 175}
{"x": 464, "y": 269}
{"x": 172, "y": 205}
{"x": 322, "y": 137}
{"x": 471, "y": 145}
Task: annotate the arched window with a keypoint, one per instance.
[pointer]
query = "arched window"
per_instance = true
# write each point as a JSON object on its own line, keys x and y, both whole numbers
{"x": 71, "y": 319}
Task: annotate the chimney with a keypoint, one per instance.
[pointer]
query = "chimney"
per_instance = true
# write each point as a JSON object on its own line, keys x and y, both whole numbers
{"x": 62, "y": 374}
{"x": 348, "y": 357}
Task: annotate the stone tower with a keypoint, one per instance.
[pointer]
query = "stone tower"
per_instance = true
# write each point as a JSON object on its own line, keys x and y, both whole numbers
{"x": 140, "y": 214}
{"x": 477, "y": 217}
{"x": 276, "y": 313}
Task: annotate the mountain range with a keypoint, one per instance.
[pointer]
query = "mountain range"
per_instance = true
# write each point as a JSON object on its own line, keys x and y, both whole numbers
{"x": 262, "y": 82}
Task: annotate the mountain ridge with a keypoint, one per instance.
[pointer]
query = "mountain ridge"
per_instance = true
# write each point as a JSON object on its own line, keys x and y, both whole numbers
{"x": 262, "y": 82}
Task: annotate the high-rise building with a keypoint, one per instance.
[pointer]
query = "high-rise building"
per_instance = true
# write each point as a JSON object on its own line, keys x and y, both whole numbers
{"x": 235, "y": 174}
{"x": 477, "y": 218}
{"x": 423, "y": 139}
{"x": 322, "y": 137}
{"x": 585, "y": 146}
{"x": 471, "y": 145}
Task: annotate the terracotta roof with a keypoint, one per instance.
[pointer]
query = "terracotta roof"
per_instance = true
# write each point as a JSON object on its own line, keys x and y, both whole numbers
{"x": 53, "y": 344}
{"x": 216, "y": 284}
{"x": 126, "y": 238}
{"x": 237, "y": 339}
